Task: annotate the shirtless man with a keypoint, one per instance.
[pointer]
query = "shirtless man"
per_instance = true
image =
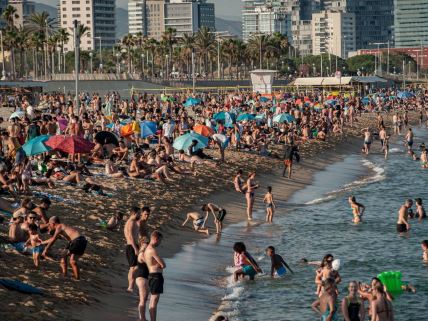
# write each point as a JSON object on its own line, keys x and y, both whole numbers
{"x": 131, "y": 231}
{"x": 218, "y": 212}
{"x": 382, "y": 136}
{"x": 17, "y": 235}
{"x": 367, "y": 140}
{"x": 326, "y": 304}
{"x": 403, "y": 215}
{"x": 198, "y": 222}
{"x": 409, "y": 138}
{"x": 156, "y": 265}
{"x": 75, "y": 248}
{"x": 41, "y": 213}
{"x": 142, "y": 223}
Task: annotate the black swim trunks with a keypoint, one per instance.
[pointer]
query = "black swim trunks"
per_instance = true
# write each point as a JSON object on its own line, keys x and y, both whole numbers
{"x": 130, "y": 256}
{"x": 221, "y": 215}
{"x": 77, "y": 246}
{"x": 142, "y": 271}
{"x": 401, "y": 228}
{"x": 156, "y": 283}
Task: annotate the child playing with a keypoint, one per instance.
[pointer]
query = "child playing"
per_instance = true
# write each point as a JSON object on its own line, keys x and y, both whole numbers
{"x": 278, "y": 264}
{"x": 270, "y": 205}
{"x": 36, "y": 243}
{"x": 424, "y": 245}
{"x": 247, "y": 265}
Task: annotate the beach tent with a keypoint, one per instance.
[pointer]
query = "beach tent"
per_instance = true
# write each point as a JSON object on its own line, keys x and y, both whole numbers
{"x": 17, "y": 114}
{"x": 126, "y": 130}
{"x": 405, "y": 95}
{"x": 184, "y": 141}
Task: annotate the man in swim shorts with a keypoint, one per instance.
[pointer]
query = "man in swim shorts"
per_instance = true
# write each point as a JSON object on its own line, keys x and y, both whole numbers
{"x": 198, "y": 222}
{"x": 326, "y": 305}
{"x": 76, "y": 244}
{"x": 218, "y": 213}
{"x": 367, "y": 140}
{"x": 156, "y": 265}
{"x": 409, "y": 138}
{"x": 403, "y": 215}
{"x": 278, "y": 264}
{"x": 131, "y": 231}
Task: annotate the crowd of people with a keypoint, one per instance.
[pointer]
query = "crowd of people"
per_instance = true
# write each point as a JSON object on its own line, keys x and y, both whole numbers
{"x": 163, "y": 138}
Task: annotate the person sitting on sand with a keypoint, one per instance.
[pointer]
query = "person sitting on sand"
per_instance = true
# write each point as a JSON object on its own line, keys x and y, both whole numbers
{"x": 17, "y": 235}
{"x": 247, "y": 266}
{"x": 115, "y": 221}
{"x": 121, "y": 152}
{"x": 111, "y": 169}
{"x": 278, "y": 265}
{"x": 198, "y": 222}
{"x": 75, "y": 248}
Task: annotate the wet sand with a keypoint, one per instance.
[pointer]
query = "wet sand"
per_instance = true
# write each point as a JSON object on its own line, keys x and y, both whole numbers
{"x": 100, "y": 294}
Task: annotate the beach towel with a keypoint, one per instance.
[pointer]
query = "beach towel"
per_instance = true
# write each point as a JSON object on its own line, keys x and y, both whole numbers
{"x": 19, "y": 286}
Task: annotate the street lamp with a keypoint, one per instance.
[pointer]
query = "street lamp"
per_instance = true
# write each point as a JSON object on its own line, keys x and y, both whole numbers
{"x": 328, "y": 71}
{"x": 91, "y": 55}
{"x": 142, "y": 65}
{"x": 167, "y": 66}
{"x": 117, "y": 63}
{"x": 313, "y": 65}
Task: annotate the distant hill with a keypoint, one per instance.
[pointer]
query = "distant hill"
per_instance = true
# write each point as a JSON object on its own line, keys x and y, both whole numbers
{"x": 234, "y": 27}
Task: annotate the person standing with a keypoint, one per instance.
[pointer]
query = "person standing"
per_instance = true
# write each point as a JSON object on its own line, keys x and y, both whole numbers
{"x": 367, "y": 140}
{"x": 381, "y": 307}
{"x": 131, "y": 231}
{"x": 357, "y": 209}
{"x": 326, "y": 304}
{"x": 289, "y": 154}
{"x": 353, "y": 305}
{"x": 155, "y": 265}
{"x": 403, "y": 216}
{"x": 409, "y": 139}
{"x": 141, "y": 279}
{"x": 249, "y": 195}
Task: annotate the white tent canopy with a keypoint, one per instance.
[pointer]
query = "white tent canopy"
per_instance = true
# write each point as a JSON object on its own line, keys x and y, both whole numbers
{"x": 336, "y": 81}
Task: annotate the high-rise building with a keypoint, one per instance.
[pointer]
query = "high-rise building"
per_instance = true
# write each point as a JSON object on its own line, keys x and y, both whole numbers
{"x": 265, "y": 17}
{"x": 136, "y": 14}
{"x": 301, "y": 26}
{"x": 97, "y": 15}
{"x": 410, "y": 23}
{"x": 24, "y": 9}
{"x": 333, "y": 32}
{"x": 374, "y": 18}
{"x": 3, "y": 5}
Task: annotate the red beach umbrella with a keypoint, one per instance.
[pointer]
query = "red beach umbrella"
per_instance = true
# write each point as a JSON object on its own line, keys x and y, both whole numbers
{"x": 70, "y": 144}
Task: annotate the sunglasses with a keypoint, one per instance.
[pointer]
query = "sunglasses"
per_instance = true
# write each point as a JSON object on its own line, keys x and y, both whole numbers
{"x": 32, "y": 217}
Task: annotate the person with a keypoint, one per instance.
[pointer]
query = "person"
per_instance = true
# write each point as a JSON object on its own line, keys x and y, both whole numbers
{"x": 385, "y": 146}
{"x": 238, "y": 182}
{"x": 409, "y": 138}
{"x": 403, "y": 216}
{"x": 142, "y": 223}
{"x": 35, "y": 242}
{"x": 249, "y": 195}
{"x": 155, "y": 265}
{"x": 358, "y": 209}
{"x": 198, "y": 222}
{"x": 325, "y": 272}
{"x": 115, "y": 221}
{"x": 270, "y": 204}
{"x": 420, "y": 210}
{"x": 247, "y": 266}
{"x": 141, "y": 279}
{"x": 76, "y": 245}
{"x": 367, "y": 140}
{"x": 381, "y": 307}
{"x": 326, "y": 306}
{"x": 278, "y": 265}
{"x": 131, "y": 231}
{"x": 424, "y": 158}
{"x": 353, "y": 305}
{"x": 218, "y": 213}
{"x": 221, "y": 318}
{"x": 424, "y": 246}
{"x": 289, "y": 153}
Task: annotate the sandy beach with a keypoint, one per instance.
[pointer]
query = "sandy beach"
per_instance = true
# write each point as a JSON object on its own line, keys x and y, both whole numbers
{"x": 100, "y": 294}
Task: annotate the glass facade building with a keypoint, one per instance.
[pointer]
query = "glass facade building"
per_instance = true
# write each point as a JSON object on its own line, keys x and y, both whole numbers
{"x": 410, "y": 23}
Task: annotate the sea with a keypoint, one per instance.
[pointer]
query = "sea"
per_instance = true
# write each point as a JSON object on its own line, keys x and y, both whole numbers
{"x": 315, "y": 221}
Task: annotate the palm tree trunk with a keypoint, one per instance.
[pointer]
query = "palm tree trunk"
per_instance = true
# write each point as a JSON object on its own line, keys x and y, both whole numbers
{"x": 12, "y": 56}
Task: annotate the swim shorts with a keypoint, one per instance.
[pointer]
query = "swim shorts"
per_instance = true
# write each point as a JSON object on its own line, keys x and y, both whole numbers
{"x": 401, "y": 228}
{"x": 77, "y": 246}
{"x": 249, "y": 270}
{"x": 281, "y": 271}
{"x": 156, "y": 282}
{"x": 198, "y": 223}
{"x": 288, "y": 162}
{"x": 142, "y": 271}
{"x": 221, "y": 215}
{"x": 130, "y": 256}
{"x": 38, "y": 249}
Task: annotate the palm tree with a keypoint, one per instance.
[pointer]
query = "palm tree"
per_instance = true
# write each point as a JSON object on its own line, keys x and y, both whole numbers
{"x": 187, "y": 43}
{"x": 63, "y": 37}
{"x": 151, "y": 46}
{"x": 204, "y": 42}
{"x": 9, "y": 14}
{"x": 257, "y": 45}
{"x": 128, "y": 42}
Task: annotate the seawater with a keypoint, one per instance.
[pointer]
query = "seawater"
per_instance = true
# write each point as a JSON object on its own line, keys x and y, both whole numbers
{"x": 317, "y": 220}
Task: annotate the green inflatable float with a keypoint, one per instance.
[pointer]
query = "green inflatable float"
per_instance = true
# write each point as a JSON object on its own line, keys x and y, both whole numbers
{"x": 392, "y": 281}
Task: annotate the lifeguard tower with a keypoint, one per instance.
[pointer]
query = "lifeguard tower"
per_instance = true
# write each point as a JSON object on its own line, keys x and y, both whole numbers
{"x": 262, "y": 80}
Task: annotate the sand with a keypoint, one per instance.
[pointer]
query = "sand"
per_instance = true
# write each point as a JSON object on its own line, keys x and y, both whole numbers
{"x": 103, "y": 267}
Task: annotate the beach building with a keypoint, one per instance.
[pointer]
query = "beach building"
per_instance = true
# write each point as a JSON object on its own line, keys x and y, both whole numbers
{"x": 24, "y": 9}
{"x": 97, "y": 15}
{"x": 333, "y": 32}
{"x": 410, "y": 23}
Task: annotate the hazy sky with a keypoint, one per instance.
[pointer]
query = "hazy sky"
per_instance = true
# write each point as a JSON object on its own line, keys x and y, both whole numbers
{"x": 224, "y": 8}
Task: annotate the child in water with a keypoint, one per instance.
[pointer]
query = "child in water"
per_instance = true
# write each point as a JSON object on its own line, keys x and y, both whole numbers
{"x": 242, "y": 259}
{"x": 36, "y": 243}
{"x": 270, "y": 205}
{"x": 424, "y": 245}
{"x": 278, "y": 264}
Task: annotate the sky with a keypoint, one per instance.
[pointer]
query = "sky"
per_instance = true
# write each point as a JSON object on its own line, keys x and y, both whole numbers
{"x": 224, "y": 8}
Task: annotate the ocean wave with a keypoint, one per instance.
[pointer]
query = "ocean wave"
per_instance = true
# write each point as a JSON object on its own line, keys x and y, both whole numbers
{"x": 379, "y": 175}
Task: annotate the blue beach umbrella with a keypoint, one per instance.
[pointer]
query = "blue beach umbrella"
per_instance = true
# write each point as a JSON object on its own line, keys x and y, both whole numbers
{"x": 365, "y": 100}
{"x": 260, "y": 116}
{"x": 148, "y": 128}
{"x": 405, "y": 95}
{"x": 225, "y": 116}
{"x": 264, "y": 99}
{"x": 184, "y": 141}
{"x": 330, "y": 102}
{"x": 192, "y": 102}
{"x": 245, "y": 117}
{"x": 17, "y": 114}
{"x": 36, "y": 146}
{"x": 281, "y": 118}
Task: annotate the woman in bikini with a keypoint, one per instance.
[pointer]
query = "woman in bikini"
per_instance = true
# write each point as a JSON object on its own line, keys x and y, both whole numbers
{"x": 249, "y": 195}
{"x": 381, "y": 307}
{"x": 357, "y": 209}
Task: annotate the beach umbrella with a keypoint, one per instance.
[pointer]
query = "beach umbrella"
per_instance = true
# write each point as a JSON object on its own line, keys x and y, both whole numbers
{"x": 36, "y": 146}
{"x": 62, "y": 123}
{"x": 17, "y": 114}
{"x": 318, "y": 106}
{"x": 245, "y": 117}
{"x": 222, "y": 139}
{"x": 70, "y": 144}
{"x": 281, "y": 118}
{"x": 203, "y": 130}
{"x": 365, "y": 100}
{"x": 184, "y": 141}
{"x": 225, "y": 116}
{"x": 192, "y": 102}
{"x": 405, "y": 95}
{"x": 264, "y": 99}
{"x": 261, "y": 116}
{"x": 105, "y": 137}
{"x": 126, "y": 130}
{"x": 330, "y": 102}
{"x": 148, "y": 128}
{"x": 164, "y": 98}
